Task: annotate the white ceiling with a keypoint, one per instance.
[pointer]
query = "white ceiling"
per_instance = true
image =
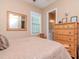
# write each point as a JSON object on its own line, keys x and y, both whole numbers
{"x": 41, "y": 3}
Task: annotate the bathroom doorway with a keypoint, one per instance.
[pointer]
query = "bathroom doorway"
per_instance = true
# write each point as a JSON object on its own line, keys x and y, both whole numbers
{"x": 52, "y": 17}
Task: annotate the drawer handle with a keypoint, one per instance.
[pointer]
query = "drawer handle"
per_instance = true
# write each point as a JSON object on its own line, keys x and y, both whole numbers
{"x": 69, "y": 38}
{"x": 69, "y": 32}
{"x": 70, "y": 45}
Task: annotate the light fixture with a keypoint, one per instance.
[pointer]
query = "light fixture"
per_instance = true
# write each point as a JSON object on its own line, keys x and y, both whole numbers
{"x": 51, "y": 21}
{"x": 34, "y": 0}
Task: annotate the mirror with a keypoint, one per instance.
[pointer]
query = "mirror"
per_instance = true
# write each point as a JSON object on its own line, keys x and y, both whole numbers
{"x": 16, "y": 21}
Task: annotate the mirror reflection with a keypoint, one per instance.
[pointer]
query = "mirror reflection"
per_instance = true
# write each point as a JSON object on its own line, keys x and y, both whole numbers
{"x": 16, "y": 21}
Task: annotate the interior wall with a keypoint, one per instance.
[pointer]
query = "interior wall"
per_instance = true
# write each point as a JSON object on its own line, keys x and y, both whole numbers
{"x": 69, "y": 6}
{"x": 18, "y": 6}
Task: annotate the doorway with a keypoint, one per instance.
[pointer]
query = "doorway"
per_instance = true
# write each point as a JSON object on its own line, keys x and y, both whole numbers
{"x": 52, "y": 17}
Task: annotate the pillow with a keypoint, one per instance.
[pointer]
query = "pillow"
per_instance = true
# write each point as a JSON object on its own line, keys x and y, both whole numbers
{"x": 3, "y": 42}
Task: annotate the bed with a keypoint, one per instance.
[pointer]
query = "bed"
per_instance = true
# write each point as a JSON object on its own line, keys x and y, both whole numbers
{"x": 34, "y": 48}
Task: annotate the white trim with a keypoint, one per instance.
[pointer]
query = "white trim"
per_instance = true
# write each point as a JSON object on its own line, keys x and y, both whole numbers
{"x": 31, "y": 22}
{"x": 55, "y": 9}
{"x": 40, "y": 21}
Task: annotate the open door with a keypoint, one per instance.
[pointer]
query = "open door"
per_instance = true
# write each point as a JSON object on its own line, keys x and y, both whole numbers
{"x": 52, "y": 21}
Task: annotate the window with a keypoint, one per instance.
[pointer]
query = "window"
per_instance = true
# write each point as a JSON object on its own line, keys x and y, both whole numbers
{"x": 36, "y": 23}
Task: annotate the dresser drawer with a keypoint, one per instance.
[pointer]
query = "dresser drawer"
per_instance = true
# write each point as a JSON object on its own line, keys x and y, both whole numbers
{"x": 58, "y": 26}
{"x": 68, "y": 38}
{"x": 72, "y": 50}
{"x": 72, "y": 53}
{"x": 69, "y": 32}
{"x": 66, "y": 32}
{"x": 58, "y": 31}
{"x": 58, "y": 36}
{"x": 71, "y": 26}
{"x": 60, "y": 41}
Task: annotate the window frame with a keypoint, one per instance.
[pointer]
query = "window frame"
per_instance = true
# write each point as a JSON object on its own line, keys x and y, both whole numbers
{"x": 32, "y": 12}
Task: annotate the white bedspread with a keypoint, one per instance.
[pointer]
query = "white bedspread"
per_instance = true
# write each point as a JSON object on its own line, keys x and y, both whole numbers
{"x": 34, "y": 48}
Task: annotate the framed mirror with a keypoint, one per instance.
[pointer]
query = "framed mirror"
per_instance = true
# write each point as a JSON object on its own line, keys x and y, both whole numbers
{"x": 16, "y": 21}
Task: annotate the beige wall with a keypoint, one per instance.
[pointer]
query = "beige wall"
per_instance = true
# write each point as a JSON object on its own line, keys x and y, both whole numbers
{"x": 19, "y": 7}
{"x": 70, "y": 6}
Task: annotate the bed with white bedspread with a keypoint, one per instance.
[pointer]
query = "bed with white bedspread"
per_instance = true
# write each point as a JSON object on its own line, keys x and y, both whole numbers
{"x": 34, "y": 48}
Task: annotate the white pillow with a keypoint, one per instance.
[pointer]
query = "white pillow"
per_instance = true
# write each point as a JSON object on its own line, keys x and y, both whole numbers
{"x": 3, "y": 42}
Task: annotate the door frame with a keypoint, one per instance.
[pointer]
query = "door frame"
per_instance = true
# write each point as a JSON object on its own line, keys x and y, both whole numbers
{"x": 54, "y": 9}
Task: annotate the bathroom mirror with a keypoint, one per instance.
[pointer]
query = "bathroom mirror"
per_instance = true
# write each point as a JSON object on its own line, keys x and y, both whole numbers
{"x": 16, "y": 21}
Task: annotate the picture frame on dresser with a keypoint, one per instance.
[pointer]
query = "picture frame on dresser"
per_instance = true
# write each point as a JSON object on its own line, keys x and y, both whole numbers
{"x": 74, "y": 19}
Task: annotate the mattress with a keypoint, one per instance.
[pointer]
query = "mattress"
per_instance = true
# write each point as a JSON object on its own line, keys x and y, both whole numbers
{"x": 34, "y": 48}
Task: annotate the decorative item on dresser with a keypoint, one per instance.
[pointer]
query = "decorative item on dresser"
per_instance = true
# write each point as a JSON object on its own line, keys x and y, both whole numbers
{"x": 67, "y": 34}
{"x": 59, "y": 19}
{"x": 74, "y": 19}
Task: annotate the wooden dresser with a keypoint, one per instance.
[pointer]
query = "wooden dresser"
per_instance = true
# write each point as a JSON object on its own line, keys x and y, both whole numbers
{"x": 67, "y": 34}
